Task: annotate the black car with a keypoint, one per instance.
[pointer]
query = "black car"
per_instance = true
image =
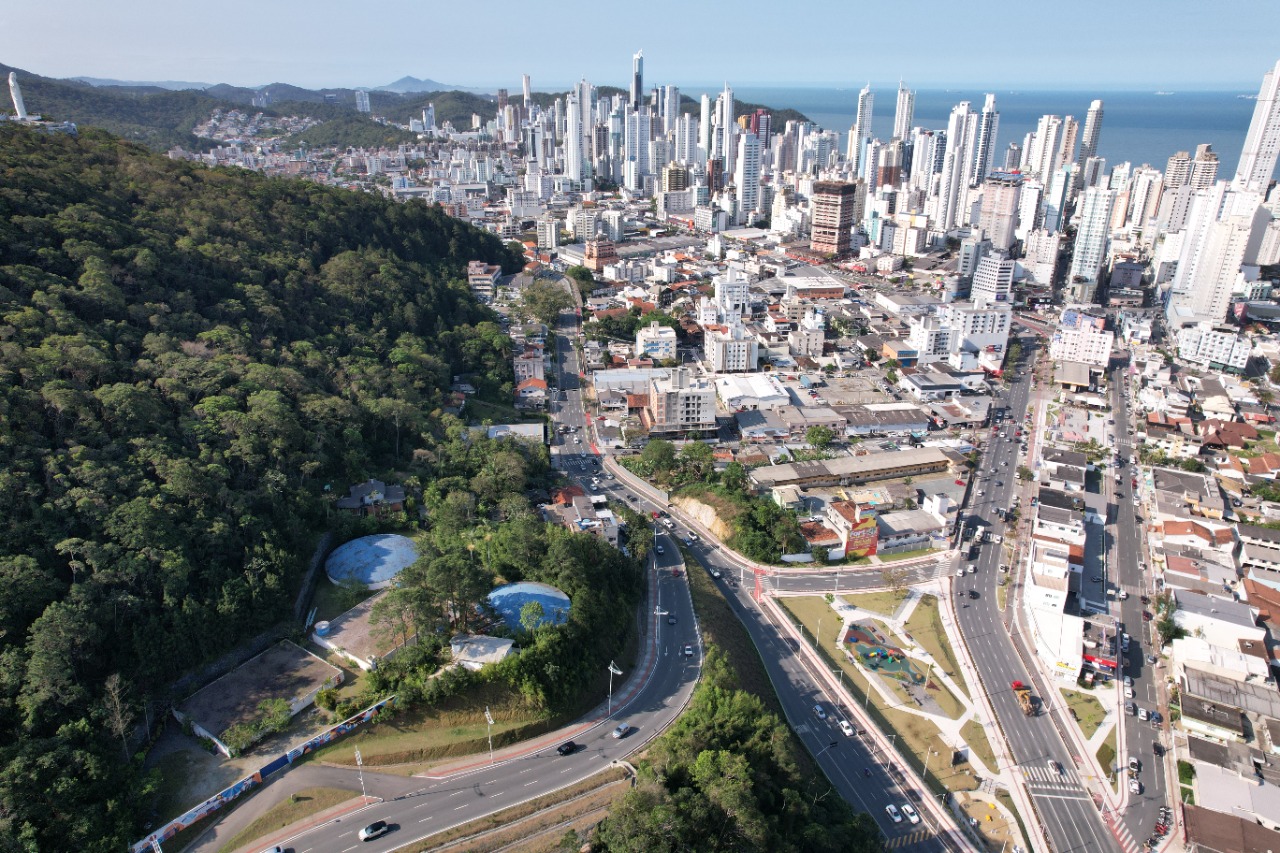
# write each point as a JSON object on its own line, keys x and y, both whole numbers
{"x": 567, "y": 748}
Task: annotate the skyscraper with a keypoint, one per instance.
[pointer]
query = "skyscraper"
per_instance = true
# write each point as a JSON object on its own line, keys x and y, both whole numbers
{"x": 906, "y": 112}
{"x": 951, "y": 189}
{"x": 15, "y": 92}
{"x": 362, "y": 101}
{"x": 984, "y": 141}
{"x": 704, "y": 129}
{"x": 746, "y": 176}
{"x": 834, "y": 205}
{"x": 528, "y": 95}
{"x": 573, "y": 139}
{"x": 1092, "y": 239}
{"x": 1262, "y": 144}
{"x": 1092, "y": 128}
{"x": 861, "y": 128}
{"x": 637, "y": 80}
{"x": 1222, "y": 234}
{"x": 999, "y": 212}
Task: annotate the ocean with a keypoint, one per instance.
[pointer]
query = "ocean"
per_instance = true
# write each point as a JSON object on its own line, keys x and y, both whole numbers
{"x": 1138, "y": 127}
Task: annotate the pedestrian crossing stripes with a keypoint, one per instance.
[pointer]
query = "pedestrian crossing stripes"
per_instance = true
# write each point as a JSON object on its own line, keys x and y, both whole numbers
{"x": 902, "y": 842}
{"x": 1122, "y": 834}
{"x": 1043, "y": 777}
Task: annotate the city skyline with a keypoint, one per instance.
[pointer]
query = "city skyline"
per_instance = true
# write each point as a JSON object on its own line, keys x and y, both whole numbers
{"x": 317, "y": 47}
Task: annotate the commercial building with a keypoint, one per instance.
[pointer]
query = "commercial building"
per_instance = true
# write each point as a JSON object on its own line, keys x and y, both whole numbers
{"x": 1217, "y": 347}
{"x": 850, "y": 470}
{"x": 1084, "y": 344}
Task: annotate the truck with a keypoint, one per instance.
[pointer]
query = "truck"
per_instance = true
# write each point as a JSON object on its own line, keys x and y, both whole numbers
{"x": 1025, "y": 702}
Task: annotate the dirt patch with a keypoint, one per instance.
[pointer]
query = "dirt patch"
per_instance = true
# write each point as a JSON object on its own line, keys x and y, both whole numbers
{"x": 706, "y": 515}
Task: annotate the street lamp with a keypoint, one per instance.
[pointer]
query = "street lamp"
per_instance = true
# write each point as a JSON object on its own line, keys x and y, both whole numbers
{"x": 826, "y": 748}
{"x": 360, "y": 769}
{"x": 488, "y": 718}
{"x": 613, "y": 670}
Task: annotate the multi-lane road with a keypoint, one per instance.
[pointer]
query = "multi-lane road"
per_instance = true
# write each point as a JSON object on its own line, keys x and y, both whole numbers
{"x": 1047, "y": 766}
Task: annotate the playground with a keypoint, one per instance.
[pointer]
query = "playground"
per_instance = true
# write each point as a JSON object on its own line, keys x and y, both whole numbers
{"x": 878, "y": 656}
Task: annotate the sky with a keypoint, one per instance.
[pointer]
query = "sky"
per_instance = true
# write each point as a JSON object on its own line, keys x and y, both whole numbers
{"x": 1111, "y": 45}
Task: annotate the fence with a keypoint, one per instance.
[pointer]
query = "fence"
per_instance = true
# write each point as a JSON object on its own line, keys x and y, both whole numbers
{"x": 248, "y": 783}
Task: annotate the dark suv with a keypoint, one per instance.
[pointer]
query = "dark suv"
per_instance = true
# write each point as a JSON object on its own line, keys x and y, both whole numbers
{"x": 567, "y": 748}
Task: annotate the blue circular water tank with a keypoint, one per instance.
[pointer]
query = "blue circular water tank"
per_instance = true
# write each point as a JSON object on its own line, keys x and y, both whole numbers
{"x": 374, "y": 561}
{"x": 322, "y": 629}
{"x": 509, "y": 600}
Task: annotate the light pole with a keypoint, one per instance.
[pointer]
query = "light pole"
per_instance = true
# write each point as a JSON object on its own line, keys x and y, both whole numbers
{"x": 826, "y": 748}
{"x": 613, "y": 670}
{"x": 488, "y": 718}
{"x": 360, "y": 769}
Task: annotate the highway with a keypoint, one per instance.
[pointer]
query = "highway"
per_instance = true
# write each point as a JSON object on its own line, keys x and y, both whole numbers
{"x": 1064, "y": 807}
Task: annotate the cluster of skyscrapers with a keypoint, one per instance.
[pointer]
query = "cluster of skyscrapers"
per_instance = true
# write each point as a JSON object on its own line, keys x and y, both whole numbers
{"x": 923, "y": 188}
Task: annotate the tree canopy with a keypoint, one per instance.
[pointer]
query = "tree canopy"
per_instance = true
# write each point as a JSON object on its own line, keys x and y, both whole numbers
{"x": 187, "y": 356}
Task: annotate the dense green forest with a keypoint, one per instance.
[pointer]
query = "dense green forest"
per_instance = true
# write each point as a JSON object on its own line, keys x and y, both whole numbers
{"x": 724, "y": 778}
{"x": 187, "y": 356}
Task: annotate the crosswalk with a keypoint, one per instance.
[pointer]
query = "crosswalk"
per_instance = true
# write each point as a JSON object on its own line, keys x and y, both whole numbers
{"x": 1042, "y": 779}
{"x": 1122, "y": 834}
{"x": 901, "y": 842}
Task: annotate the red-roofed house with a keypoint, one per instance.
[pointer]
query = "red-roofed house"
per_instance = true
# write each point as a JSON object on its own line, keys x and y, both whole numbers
{"x": 532, "y": 392}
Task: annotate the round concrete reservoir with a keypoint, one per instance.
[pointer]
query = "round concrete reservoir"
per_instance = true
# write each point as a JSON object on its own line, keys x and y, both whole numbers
{"x": 509, "y": 600}
{"x": 373, "y": 561}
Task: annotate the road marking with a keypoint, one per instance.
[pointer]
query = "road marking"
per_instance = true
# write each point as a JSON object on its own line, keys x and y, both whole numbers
{"x": 345, "y": 834}
{"x": 526, "y": 770}
{"x": 459, "y": 808}
{"x": 566, "y": 770}
{"x": 425, "y": 819}
{"x": 534, "y": 782}
{"x": 456, "y": 793}
{"x": 349, "y": 849}
{"x": 1044, "y": 796}
{"x": 422, "y": 805}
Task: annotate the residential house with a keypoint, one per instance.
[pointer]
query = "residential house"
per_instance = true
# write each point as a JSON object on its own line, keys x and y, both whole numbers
{"x": 373, "y": 497}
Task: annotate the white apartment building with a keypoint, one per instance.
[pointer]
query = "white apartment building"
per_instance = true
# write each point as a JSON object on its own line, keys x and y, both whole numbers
{"x": 730, "y": 348}
{"x": 809, "y": 334}
{"x": 733, "y": 292}
{"x": 930, "y": 338}
{"x": 981, "y": 331}
{"x": 993, "y": 280}
{"x": 1085, "y": 344}
{"x": 1210, "y": 346}
{"x": 656, "y": 341}
{"x": 1093, "y": 238}
{"x": 680, "y": 403}
{"x": 1040, "y": 256}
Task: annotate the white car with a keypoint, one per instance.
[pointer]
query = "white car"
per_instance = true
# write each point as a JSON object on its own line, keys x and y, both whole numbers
{"x": 846, "y": 728}
{"x": 892, "y": 811}
{"x": 973, "y": 568}
{"x": 910, "y": 813}
{"x": 1135, "y": 787}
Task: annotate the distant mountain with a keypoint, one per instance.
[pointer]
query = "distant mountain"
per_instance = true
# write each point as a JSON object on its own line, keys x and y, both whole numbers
{"x": 171, "y": 85}
{"x": 407, "y": 85}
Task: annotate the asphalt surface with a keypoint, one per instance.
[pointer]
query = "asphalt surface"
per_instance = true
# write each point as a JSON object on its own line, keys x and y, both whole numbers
{"x": 1063, "y": 806}
{"x": 1126, "y": 558}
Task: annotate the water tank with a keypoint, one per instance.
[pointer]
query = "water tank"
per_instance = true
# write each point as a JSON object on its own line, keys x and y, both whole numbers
{"x": 322, "y": 629}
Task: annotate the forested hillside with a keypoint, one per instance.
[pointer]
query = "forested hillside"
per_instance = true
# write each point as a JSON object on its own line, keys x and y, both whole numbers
{"x": 187, "y": 356}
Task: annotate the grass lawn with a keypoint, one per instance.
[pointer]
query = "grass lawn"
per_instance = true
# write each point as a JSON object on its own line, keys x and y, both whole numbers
{"x": 905, "y": 555}
{"x": 976, "y": 736}
{"x": 925, "y": 628}
{"x": 332, "y": 600}
{"x": 884, "y": 603}
{"x": 916, "y": 736}
{"x": 1089, "y": 711}
{"x": 499, "y": 413}
{"x": 302, "y": 804}
{"x": 1107, "y": 756}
